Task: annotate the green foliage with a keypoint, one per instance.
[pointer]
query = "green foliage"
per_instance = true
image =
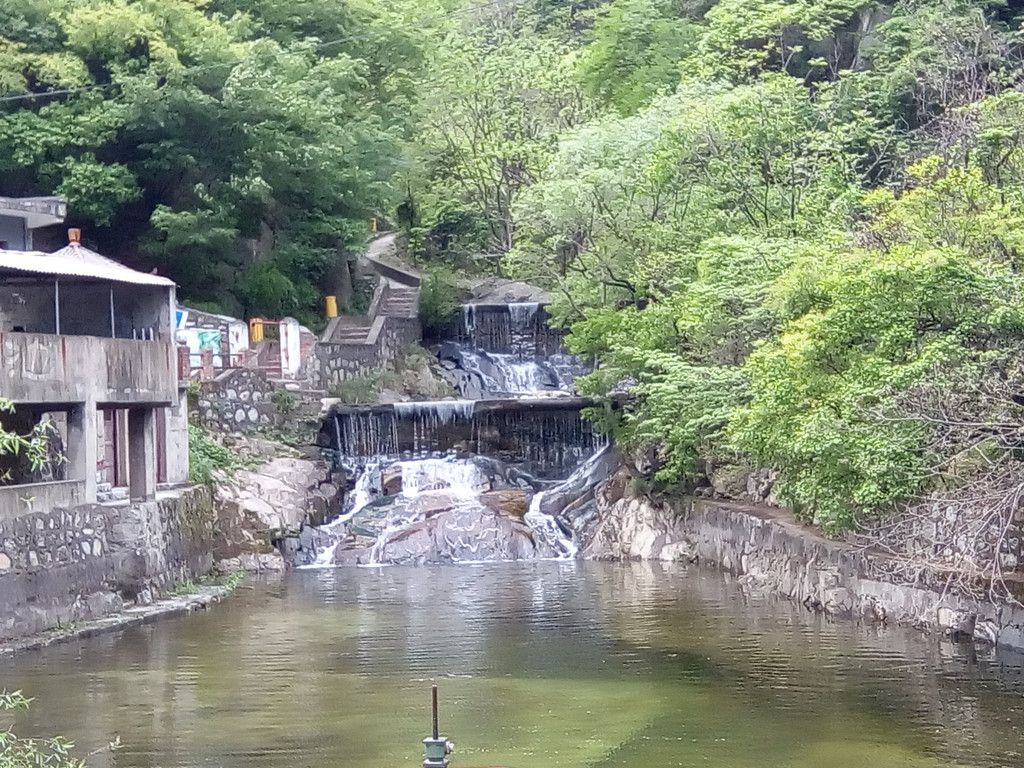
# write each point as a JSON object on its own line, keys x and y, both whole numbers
{"x": 284, "y": 400}
{"x": 439, "y": 300}
{"x": 360, "y": 390}
{"x": 496, "y": 94}
{"x": 206, "y": 455}
{"x": 16, "y": 752}
{"x": 767, "y": 221}
{"x": 756, "y": 262}
{"x": 635, "y": 52}
{"x": 34, "y": 447}
{"x": 211, "y": 139}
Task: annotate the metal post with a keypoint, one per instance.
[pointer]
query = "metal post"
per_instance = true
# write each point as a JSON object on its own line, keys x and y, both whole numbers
{"x": 113, "y": 334}
{"x": 433, "y": 696}
{"x": 438, "y": 747}
{"x": 56, "y": 307}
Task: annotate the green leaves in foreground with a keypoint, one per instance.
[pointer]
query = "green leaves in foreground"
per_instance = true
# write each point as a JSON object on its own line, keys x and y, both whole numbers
{"x": 17, "y": 752}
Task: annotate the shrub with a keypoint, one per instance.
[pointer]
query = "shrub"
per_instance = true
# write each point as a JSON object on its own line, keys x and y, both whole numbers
{"x": 439, "y": 301}
{"x": 16, "y": 752}
{"x": 206, "y": 455}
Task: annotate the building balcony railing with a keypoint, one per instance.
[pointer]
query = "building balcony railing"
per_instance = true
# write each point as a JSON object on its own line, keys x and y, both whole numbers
{"x": 46, "y": 368}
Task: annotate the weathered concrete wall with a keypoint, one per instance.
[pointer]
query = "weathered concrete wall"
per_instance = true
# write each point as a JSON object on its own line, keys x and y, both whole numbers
{"x": 238, "y": 400}
{"x": 177, "y": 438}
{"x": 769, "y": 549}
{"x": 17, "y": 500}
{"x": 66, "y": 566}
{"x": 38, "y": 368}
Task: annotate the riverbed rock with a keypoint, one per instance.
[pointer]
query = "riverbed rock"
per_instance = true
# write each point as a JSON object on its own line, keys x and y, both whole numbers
{"x": 255, "y": 507}
{"x": 391, "y": 480}
{"x": 499, "y": 290}
{"x": 729, "y": 481}
{"x": 440, "y": 527}
{"x": 637, "y": 529}
{"x": 509, "y": 502}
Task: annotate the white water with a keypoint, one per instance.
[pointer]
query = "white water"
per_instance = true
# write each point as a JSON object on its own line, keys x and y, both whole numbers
{"x": 461, "y": 477}
{"x": 463, "y": 480}
{"x": 585, "y": 477}
{"x": 522, "y": 314}
{"x": 505, "y": 374}
{"x": 367, "y": 485}
{"x": 445, "y": 411}
{"x": 547, "y": 527}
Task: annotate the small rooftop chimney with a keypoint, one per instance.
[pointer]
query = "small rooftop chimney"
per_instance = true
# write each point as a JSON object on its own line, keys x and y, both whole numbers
{"x": 75, "y": 236}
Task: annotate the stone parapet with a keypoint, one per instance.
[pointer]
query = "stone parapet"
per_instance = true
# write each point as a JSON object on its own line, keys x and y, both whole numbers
{"x": 45, "y": 368}
{"x": 771, "y": 551}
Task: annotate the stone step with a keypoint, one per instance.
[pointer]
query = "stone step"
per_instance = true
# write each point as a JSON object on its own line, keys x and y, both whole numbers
{"x": 338, "y": 337}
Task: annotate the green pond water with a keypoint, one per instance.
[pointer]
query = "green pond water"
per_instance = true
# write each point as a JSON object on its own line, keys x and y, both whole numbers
{"x": 546, "y": 665}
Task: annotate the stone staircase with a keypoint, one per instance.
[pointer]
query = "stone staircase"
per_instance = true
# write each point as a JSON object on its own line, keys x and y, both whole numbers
{"x": 401, "y": 301}
{"x": 350, "y": 334}
{"x": 393, "y": 300}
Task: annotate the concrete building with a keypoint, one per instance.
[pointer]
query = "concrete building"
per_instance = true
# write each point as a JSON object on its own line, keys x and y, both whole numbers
{"x": 20, "y": 215}
{"x": 88, "y": 358}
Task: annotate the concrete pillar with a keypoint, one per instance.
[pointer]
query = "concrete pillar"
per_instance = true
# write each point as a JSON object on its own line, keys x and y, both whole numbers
{"x": 177, "y": 442}
{"x": 291, "y": 347}
{"x": 81, "y": 450}
{"x": 141, "y": 454}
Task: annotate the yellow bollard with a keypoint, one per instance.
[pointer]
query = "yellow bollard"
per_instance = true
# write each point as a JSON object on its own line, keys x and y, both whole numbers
{"x": 331, "y": 306}
{"x": 256, "y": 330}
{"x": 373, "y": 224}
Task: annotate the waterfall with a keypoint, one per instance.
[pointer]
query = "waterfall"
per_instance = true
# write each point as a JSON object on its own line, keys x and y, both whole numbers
{"x": 462, "y": 477}
{"x": 547, "y": 527}
{"x": 441, "y": 411}
{"x": 545, "y": 437}
{"x": 368, "y": 482}
{"x": 504, "y": 473}
{"x": 509, "y": 350}
{"x": 443, "y": 505}
{"x": 522, "y": 314}
{"x": 583, "y": 480}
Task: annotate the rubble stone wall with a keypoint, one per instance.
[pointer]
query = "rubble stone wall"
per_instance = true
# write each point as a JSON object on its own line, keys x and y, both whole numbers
{"x": 71, "y": 565}
{"x": 771, "y": 551}
{"x": 239, "y": 400}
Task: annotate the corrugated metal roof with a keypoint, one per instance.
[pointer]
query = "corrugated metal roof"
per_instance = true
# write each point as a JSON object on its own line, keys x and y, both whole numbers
{"x": 76, "y": 260}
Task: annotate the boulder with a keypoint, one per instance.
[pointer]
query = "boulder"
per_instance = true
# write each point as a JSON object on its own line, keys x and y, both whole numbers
{"x": 509, "y": 502}
{"x": 255, "y": 507}
{"x": 730, "y": 481}
{"x": 391, "y": 480}
{"x": 499, "y": 290}
{"x": 628, "y": 528}
{"x": 439, "y": 527}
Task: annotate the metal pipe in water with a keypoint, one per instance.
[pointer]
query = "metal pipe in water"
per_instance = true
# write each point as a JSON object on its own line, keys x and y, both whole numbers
{"x": 433, "y": 694}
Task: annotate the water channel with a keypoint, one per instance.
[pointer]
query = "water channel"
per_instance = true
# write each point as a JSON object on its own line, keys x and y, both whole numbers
{"x": 541, "y": 664}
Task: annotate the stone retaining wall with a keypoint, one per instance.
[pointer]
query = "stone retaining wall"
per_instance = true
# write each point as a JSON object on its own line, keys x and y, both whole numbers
{"x": 770, "y": 550}
{"x": 238, "y": 400}
{"x": 67, "y": 566}
{"x": 331, "y": 363}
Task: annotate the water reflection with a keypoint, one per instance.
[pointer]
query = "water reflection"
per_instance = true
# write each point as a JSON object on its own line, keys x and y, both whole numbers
{"x": 553, "y": 664}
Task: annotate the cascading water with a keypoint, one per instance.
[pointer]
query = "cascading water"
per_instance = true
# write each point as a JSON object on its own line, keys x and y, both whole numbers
{"x": 504, "y": 350}
{"x": 477, "y": 479}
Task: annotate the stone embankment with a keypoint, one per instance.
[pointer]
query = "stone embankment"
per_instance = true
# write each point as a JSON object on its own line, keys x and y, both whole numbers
{"x": 769, "y": 550}
{"x": 64, "y": 567}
